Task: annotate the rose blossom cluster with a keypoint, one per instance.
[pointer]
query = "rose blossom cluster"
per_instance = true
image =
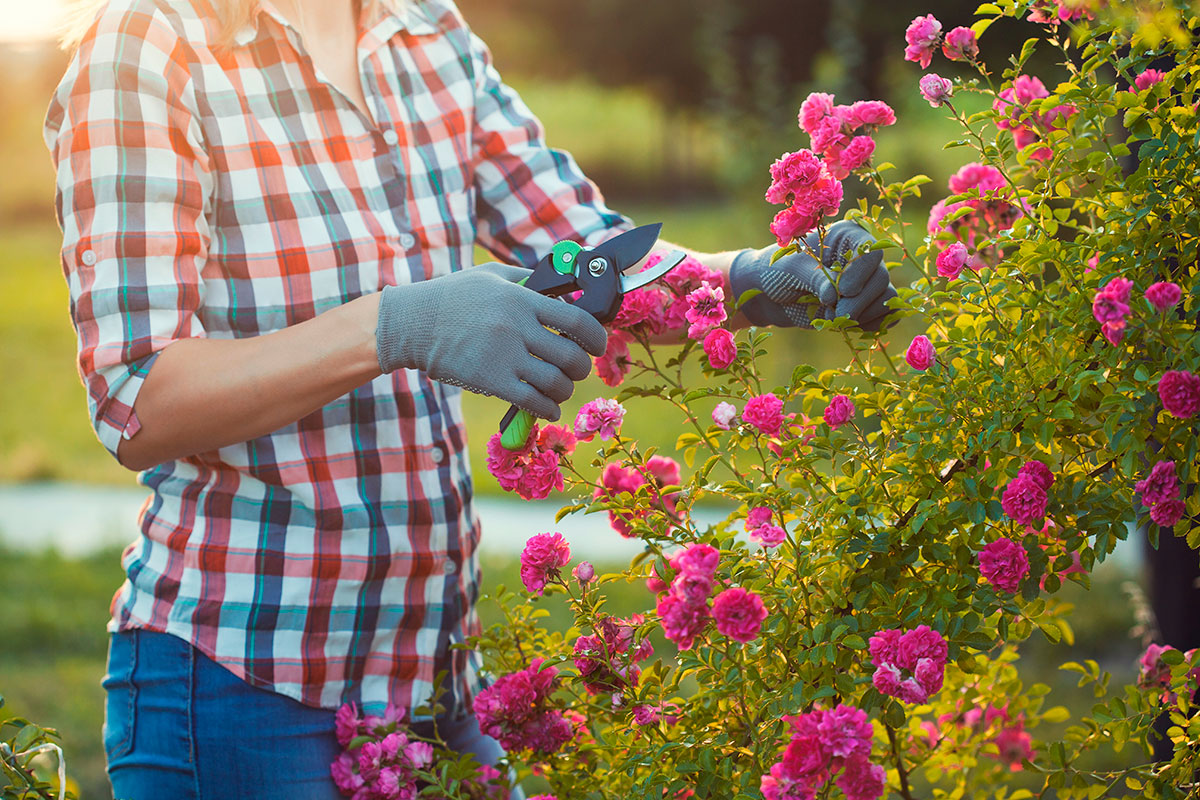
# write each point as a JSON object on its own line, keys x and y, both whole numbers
{"x": 990, "y": 213}
{"x": 684, "y": 608}
{"x": 841, "y": 134}
{"x": 516, "y": 711}
{"x": 600, "y": 417}
{"x": 803, "y": 183}
{"x": 1025, "y": 497}
{"x": 1004, "y": 564}
{"x": 1179, "y": 392}
{"x": 616, "y": 480}
{"x": 663, "y": 306}
{"x": 720, "y": 347}
{"x": 761, "y": 528}
{"x": 607, "y": 659}
{"x": 827, "y": 744}
{"x": 909, "y": 665}
{"x": 764, "y": 412}
{"x": 383, "y": 763}
{"x": 534, "y": 470}
{"x": 1159, "y": 492}
{"x": 1015, "y": 112}
{"x": 924, "y": 34}
{"x": 544, "y": 555}
{"x": 1110, "y": 307}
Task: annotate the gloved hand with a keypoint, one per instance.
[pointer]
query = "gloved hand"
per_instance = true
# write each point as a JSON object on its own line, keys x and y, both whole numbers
{"x": 480, "y": 330}
{"x": 796, "y": 290}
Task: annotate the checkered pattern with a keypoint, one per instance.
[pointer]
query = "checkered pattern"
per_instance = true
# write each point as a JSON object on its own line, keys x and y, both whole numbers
{"x": 225, "y": 193}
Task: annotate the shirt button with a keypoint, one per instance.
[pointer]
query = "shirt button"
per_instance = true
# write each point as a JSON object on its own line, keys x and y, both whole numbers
{"x": 437, "y": 455}
{"x": 391, "y": 137}
{"x": 89, "y": 258}
{"x": 407, "y": 241}
{"x": 449, "y": 567}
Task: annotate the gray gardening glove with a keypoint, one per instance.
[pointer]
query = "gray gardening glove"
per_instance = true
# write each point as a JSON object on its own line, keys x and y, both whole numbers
{"x": 796, "y": 290}
{"x": 480, "y": 330}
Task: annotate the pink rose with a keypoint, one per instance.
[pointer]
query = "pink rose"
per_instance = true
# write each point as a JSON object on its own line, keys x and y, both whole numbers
{"x": 935, "y": 89}
{"x": 922, "y": 38}
{"x": 961, "y": 44}
{"x": 1004, "y": 564}
{"x": 757, "y": 517}
{"x": 1160, "y": 485}
{"x": 600, "y": 417}
{"x": 699, "y": 559}
{"x": 615, "y": 363}
{"x": 1164, "y": 295}
{"x": 1024, "y": 500}
{"x": 642, "y": 311}
{"x": 887, "y": 679}
{"x": 845, "y": 731}
{"x": 768, "y": 535}
{"x": 706, "y": 309}
{"x": 921, "y": 354}
{"x": 543, "y": 556}
{"x": 1148, "y": 79}
{"x": 920, "y": 642}
{"x": 739, "y": 614}
{"x": 1039, "y": 472}
{"x": 1168, "y": 513}
{"x": 856, "y": 154}
{"x": 723, "y": 414}
{"x": 720, "y": 347}
{"x": 862, "y": 780}
{"x": 791, "y": 224}
{"x": 950, "y": 262}
{"x": 1179, "y": 392}
{"x": 821, "y": 199}
{"x": 682, "y": 621}
{"x": 839, "y": 411}
{"x": 883, "y": 646}
{"x": 584, "y": 572}
{"x": 764, "y": 412}
{"x": 867, "y": 113}
{"x": 791, "y": 173}
{"x": 815, "y": 108}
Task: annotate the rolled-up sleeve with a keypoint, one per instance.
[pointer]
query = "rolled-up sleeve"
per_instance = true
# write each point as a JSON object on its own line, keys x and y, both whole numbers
{"x": 529, "y": 194}
{"x": 133, "y": 191}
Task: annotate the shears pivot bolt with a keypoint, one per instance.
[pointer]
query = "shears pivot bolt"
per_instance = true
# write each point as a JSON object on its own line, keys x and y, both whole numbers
{"x": 597, "y": 267}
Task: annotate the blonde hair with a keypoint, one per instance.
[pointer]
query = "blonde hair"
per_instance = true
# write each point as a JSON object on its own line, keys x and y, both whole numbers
{"x": 233, "y": 15}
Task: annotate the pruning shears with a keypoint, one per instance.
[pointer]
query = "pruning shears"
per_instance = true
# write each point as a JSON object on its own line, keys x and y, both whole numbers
{"x": 597, "y": 273}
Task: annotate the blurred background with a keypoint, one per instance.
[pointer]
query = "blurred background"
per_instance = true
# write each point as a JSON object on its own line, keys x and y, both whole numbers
{"x": 674, "y": 108}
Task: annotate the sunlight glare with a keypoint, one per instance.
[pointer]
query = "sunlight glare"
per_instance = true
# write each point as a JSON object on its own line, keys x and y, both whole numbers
{"x": 25, "y": 21}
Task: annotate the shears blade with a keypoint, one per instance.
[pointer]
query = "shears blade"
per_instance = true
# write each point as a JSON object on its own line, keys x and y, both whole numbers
{"x": 639, "y": 279}
{"x": 630, "y": 247}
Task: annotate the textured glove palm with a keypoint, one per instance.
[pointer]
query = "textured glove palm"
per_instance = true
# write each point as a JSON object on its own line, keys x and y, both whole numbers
{"x": 796, "y": 290}
{"x": 481, "y": 330}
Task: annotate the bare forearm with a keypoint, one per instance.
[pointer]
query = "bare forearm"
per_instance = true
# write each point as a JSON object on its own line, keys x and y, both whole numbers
{"x": 202, "y": 394}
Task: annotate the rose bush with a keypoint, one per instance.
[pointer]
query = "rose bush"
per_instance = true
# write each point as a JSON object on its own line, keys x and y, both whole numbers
{"x": 853, "y": 628}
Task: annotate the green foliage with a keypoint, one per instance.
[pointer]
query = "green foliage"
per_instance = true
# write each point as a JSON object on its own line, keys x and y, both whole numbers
{"x": 886, "y": 515}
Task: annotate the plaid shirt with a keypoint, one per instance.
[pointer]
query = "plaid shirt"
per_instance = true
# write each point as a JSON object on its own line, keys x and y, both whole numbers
{"x": 227, "y": 193}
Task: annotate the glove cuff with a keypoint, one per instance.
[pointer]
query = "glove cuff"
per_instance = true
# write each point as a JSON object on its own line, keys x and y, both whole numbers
{"x": 400, "y": 336}
{"x": 744, "y": 275}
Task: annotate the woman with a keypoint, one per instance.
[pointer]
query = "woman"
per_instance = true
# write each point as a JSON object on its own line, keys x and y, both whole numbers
{"x": 267, "y": 209}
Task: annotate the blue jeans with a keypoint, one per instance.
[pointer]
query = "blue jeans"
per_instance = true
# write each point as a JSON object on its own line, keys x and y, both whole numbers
{"x": 178, "y": 725}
